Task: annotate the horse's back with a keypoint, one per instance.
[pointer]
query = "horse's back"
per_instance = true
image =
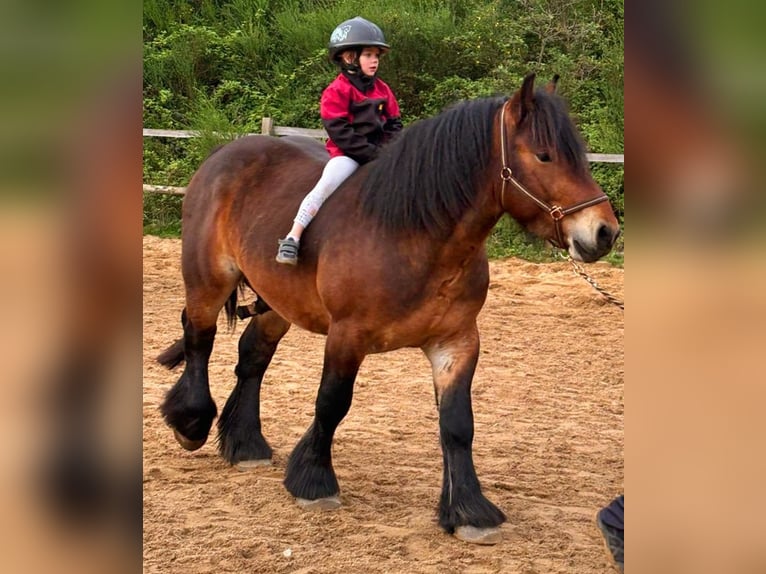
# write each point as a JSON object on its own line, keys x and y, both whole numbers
{"x": 311, "y": 146}
{"x": 251, "y": 162}
{"x": 248, "y": 174}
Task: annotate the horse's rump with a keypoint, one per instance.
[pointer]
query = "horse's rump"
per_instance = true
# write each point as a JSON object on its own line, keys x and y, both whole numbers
{"x": 239, "y": 203}
{"x": 248, "y": 166}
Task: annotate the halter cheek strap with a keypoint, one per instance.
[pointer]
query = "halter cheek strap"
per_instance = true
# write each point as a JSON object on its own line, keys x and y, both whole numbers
{"x": 556, "y": 212}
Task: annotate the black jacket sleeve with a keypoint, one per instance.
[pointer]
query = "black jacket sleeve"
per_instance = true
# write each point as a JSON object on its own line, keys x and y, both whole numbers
{"x": 351, "y": 143}
{"x": 392, "y": 127}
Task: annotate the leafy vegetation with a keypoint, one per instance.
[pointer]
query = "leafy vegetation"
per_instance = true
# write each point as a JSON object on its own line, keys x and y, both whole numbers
{"x": 219, "y": 66}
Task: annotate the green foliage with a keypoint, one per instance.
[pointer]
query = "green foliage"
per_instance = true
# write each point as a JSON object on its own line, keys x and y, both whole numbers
{"x": 510, "y": 239}
{"x": 611, "y": 178}
{"x": 162, "y": 215}
{"x": 219, "y": 66}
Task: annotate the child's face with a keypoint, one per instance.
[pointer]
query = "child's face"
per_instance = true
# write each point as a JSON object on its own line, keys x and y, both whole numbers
{"x": 368, "y": 60}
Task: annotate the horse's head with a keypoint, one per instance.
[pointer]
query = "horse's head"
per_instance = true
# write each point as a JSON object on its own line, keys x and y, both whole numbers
{"x": 547, "y": 185}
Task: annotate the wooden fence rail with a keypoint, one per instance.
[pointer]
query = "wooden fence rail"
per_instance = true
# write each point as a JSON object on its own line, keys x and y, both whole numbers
{"x": 268, "y": 128}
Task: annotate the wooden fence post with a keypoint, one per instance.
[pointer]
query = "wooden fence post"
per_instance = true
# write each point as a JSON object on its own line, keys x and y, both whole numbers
{"x": 267, "y": 126}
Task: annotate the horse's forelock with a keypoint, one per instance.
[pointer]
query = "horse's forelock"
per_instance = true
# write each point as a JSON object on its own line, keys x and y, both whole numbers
{"x": 551, "y": 128}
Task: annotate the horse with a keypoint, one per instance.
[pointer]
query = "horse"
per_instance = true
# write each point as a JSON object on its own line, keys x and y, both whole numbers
{"x": 395, "y": 258}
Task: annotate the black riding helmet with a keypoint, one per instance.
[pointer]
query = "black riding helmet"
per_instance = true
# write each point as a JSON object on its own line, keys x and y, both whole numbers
{"x": 355, "y": 33}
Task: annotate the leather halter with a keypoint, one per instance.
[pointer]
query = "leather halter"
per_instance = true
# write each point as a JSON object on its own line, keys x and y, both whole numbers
{"x": 556, "y": 212}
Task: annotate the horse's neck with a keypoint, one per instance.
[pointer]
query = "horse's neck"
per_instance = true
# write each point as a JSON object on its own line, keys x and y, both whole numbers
{"x": 470, "y": 234}
{"x": 478, "y": 223}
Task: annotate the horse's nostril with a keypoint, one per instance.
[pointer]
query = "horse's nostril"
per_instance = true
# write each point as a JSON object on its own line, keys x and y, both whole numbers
{"x": 606, "y": 235}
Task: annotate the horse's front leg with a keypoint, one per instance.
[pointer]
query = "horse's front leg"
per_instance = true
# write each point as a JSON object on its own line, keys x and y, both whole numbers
{"x": 463, "y": 509}
{"x": 310, "y": 476}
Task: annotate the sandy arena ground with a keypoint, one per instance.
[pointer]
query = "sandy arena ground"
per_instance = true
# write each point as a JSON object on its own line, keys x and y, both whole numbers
{"x": 548, "y": 446}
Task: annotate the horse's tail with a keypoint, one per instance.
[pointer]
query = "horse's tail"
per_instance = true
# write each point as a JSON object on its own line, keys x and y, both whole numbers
{"x": 231, "y": 309}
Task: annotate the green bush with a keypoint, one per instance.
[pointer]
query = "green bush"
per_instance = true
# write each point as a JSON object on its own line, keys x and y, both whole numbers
{"x": 162, "y": 215}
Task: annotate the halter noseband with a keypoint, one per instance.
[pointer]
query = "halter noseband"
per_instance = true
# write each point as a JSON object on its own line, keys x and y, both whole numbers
{"x": 556, "y": 212}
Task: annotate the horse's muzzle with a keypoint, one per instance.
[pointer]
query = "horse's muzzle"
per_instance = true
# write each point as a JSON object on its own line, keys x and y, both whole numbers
{"x": 592, "y": 249}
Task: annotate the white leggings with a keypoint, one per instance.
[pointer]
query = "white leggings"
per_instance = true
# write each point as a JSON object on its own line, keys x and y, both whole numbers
{"x": 335, "y": 172}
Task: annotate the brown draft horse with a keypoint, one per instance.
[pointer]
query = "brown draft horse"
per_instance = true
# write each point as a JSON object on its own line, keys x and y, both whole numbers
{"x": 395, "y": 258}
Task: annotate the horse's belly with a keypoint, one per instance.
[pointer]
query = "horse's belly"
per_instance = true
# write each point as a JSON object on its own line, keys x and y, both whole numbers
{"x": 424, "y": 326}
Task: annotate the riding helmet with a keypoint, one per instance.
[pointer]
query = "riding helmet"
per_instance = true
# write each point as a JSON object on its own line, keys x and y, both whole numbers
{"x": 356, "y": 33}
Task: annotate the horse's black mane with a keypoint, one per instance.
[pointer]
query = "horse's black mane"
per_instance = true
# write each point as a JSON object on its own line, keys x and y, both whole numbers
{"x": 427, "y": 178}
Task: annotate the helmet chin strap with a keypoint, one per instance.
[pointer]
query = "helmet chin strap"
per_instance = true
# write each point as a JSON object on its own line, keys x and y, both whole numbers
{"x": 353, "y": 68}
{"x": 353, "y": 72}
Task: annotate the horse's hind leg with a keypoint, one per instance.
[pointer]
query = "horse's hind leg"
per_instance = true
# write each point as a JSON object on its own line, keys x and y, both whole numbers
{"x": 463, "y": 509}
{"x": 188, "y": 407}
{"x": 239, "y": 426}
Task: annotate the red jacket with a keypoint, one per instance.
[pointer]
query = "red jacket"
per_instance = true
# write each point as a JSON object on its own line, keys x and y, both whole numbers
{"x": 357, "y": 122}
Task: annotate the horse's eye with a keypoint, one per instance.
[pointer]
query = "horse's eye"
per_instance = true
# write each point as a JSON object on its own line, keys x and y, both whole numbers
{"x": 543, "y": 156}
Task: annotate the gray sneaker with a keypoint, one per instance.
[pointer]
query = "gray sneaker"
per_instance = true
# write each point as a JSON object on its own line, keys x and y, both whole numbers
{"x": 288, "y": 251}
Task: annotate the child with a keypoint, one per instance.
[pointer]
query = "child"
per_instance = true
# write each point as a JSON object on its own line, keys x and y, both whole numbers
{"x": 359, "y": 112}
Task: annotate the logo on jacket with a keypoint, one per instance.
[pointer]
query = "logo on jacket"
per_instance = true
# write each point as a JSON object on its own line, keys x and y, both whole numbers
{"x": 339, "y": 34}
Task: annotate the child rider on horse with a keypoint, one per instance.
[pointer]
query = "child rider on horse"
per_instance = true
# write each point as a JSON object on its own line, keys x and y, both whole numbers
{"x": 359, "y": 112}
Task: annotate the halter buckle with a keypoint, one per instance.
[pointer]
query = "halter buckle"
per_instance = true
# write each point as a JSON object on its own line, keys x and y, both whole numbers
{"x": 506, "y": 174}
{"x": 557, "y": 213}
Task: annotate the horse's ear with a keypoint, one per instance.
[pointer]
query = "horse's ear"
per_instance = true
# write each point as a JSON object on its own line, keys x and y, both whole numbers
{"x": 522, "y": 101}
{"x": 551, "y": 86}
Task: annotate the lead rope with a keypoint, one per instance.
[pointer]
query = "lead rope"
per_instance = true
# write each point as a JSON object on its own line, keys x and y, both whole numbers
{"x": 607, "y": 295}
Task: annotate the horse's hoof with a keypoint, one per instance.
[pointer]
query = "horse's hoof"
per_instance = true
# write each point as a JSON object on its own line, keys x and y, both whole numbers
{"x": 188, "y": 444}
{"x": 245, "y": 465}
{"x": 327, "y": 503}
{"x": 478, "y": 535}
